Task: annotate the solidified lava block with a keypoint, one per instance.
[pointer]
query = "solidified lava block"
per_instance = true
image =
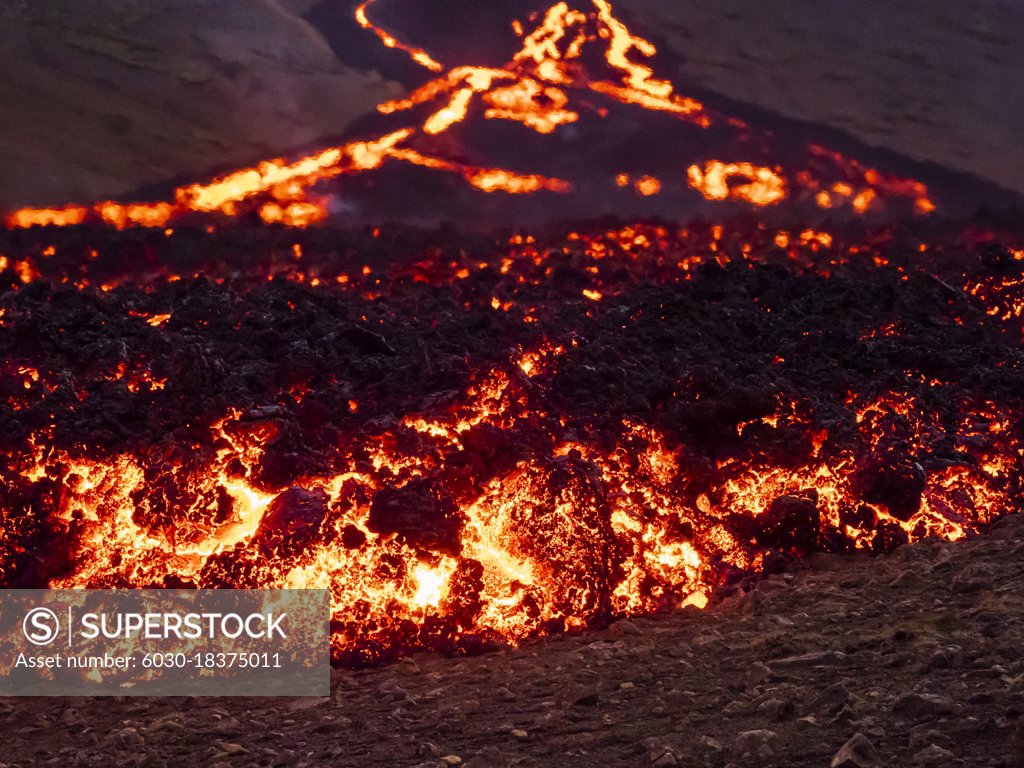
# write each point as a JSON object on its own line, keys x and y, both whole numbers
{"x": 888, "y": 536}
{"x": 790, "y": 522}
{"x": 463, "y": 601}
{"x": 292, "y": 520}
{"x": 292, "y": 523}
{"x": 421, "y": 512}
{"x": 491, "y": 448}
{"x": 564, "y": 523}
{"x": 898, "y": 485}
{"x": 997, "y": 256}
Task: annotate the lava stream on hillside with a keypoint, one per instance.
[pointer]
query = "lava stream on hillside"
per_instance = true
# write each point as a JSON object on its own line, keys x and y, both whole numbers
{"x": 580, "y": 89}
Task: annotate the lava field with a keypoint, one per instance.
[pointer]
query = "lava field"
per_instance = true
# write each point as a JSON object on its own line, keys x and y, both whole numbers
{"x": 473, "y": 439}
{"x": 295, "y": 375}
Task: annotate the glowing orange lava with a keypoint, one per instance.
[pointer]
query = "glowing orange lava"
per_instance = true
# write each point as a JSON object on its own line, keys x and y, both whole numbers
{"x": 584, "y": 525}
{"x": 539, "y": 88}
{"x": 756, "y": 185}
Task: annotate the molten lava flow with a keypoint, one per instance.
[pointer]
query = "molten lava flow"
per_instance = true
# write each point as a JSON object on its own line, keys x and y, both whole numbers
{"x": 299, "y": 214}
{"x": 527, "y": 89}
{"x": 641, "y": 87}
{"x": 227, "y": 191}
{"x": 47, "y": 217}
{"x": 544, "y": 86}
{"x": 647, "y": 186}
{"x": 516, "y": 102}
{"x": 506, "y": 181}
{"x": 487, "y": 179}
{"x": 469, "y": 443}
{"x": 863, "y": 187}
{"x": 418, "y": 55}
{"x": 121, "y": 216}
{"x": 757, "y": 185}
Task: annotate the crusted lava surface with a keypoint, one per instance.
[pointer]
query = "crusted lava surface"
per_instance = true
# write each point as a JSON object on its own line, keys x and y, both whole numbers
{"x": 473, "y": 439}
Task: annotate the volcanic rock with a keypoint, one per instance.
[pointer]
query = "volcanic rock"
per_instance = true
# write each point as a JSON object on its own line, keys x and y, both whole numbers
{"x": 586, "y": 698}
{"x": 428, "y": 749}
{"x": 858, "y": 752}
{"x": 292, "y": 520}
{"x": 915, "y": 705}
{"x": 367, "y": 342}
{"x": 790, "y": 521}
{"x": 934, "y": 755}
{"x": 777, "y": 709}
{"x": 759, "y": 743}
{"x": 832, "y": 699}
{"x": 421, "y": 512}
{"x": 897, "y": 485}
{"x": 758, "y": 672}
{"x": 488, "y": 757}
{"x": 996, "y": 256}
{"x": 808, "y": 660}
{"x": 623, "y": 628}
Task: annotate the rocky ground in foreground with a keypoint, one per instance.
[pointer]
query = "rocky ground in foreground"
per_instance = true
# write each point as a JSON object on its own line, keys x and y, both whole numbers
{"x": 907, "y": 659}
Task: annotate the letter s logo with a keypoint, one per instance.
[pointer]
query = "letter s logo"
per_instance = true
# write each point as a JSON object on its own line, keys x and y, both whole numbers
{"x": 40, "y": 626}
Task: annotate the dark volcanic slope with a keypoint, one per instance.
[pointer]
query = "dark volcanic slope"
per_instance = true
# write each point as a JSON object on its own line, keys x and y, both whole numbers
{"x": 917, "y": 651}
{"x": 202, "y": 86}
